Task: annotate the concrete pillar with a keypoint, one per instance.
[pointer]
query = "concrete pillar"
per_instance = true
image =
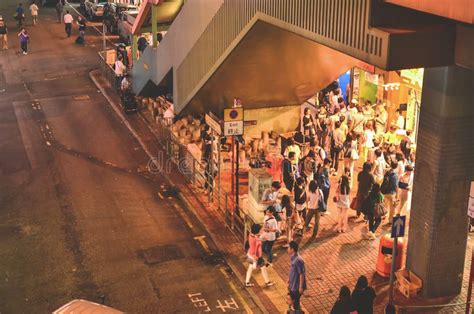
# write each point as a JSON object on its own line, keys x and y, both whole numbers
{"x": 134, "y": 48}
{"x": 444, "y": 170}
{"x": 154, "y": 24}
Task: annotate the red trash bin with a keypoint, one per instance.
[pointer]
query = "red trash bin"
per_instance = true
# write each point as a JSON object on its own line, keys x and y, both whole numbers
{"x": 384, "y": 258}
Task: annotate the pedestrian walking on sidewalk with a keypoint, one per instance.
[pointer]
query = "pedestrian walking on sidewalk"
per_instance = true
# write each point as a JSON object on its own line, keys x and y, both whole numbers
{"x": 389, "y": 189}
{"x": 120, "y": 69}
{"x": 254, "y": 257}
{"x": 59, "y": 10}
{"x": 34, "y": 13}
{"x": 20, "y": 14}
{"x": 82, "y": 26}
{"x": 300, "y": 197}
{"x": 297, "y": 277}
{"x": 24, "y": 40}
{"x": 365, "y": 181}
{"x": 315, "y": 198}
{"x": 363, "y": 296}
{"x": 3, "y": 34}
{"x": 68, "y": 19}
{"x": 270, "y": 228}
{"x": 370, "y": 205}
{"x": 343, "y": 303}
{"x": 342, "y": 200}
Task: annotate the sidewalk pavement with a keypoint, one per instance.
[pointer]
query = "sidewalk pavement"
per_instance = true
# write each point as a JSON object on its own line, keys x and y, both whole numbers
{"x": 332, "y": 260}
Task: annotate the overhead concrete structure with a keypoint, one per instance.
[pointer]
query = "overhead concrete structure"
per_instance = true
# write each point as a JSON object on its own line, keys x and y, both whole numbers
{"x": 344, "y": 26}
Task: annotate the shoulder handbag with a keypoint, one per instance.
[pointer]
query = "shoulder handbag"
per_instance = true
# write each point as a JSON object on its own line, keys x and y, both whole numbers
{"x": 322, "y": 206}
{"x": 379, "y": 210}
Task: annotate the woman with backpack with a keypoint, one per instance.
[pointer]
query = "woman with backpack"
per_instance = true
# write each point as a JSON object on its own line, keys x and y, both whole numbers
{"x": 254, "y": 256}
{"x": 374, "y": 210}
{"x": 342, "y": 200}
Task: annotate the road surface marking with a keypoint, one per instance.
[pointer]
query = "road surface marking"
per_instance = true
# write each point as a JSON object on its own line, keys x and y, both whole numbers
{"x": 183, "y": 214}
{"x": 198, "y": 301}
{"x": 203, "y": 243}
{"x": 232, "y": 286}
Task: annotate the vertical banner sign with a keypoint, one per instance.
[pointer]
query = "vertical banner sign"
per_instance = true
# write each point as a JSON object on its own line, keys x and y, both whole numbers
{"x": 356, "y": 84}
{"x": 470, "y": 207}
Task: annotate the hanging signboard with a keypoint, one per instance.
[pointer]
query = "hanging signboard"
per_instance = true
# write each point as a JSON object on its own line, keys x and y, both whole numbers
{"x": 213, "y": 123}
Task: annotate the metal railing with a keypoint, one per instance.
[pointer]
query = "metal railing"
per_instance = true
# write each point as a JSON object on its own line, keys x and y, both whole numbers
{"x": 195, "y": 173}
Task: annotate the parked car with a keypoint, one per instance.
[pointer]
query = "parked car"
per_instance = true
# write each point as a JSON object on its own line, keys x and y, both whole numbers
{"x": 83, "y": 306}
{"x": 112, "y": 13}
{"x": 95, "y": 8}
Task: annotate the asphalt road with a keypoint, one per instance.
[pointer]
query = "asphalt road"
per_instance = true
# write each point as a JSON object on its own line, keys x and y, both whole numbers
{"x": 78, "y": 216}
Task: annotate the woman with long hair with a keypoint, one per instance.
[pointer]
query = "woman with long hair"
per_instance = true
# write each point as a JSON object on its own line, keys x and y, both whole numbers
{"x": 363, "y": 296}
{"x": 343, "y": 200}
{"x": 343, "y": 303}
{"x": 254, "y": 256}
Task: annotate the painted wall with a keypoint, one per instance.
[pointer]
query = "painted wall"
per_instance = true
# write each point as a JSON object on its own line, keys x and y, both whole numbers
{"x": 278, "y": 119}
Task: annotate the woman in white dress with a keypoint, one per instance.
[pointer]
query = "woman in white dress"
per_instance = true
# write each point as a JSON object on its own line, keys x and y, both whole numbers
{"x": 342, "y": 199}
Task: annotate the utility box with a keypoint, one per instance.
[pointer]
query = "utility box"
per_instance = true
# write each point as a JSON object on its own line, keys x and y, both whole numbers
{"x": 259, "y": 181}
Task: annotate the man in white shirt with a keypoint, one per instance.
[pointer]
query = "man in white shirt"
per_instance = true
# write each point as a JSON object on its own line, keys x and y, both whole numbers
{"x": 68, "y": 19}
{"x": 381, "y": 118}
{"x": 34, "y": 12}
{"x": 119, "y": 69}
{"x": 358, "y": 122}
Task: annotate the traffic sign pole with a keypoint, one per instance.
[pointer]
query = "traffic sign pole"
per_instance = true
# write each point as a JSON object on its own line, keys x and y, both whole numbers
{"x": 392, "y": 270}
{"x": 398, "y": 230}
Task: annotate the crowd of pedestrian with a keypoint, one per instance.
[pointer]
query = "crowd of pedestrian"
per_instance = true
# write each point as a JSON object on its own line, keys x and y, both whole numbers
{"x": 342, "y": 137}
{"x": 338, "y": 140}
{"x": 23, "y": 36}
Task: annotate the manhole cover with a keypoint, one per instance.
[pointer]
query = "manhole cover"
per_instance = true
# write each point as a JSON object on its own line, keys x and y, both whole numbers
{"x": 160, "y": 254}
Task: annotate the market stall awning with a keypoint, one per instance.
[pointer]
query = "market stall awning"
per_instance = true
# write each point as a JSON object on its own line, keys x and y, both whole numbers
{"x": 166, "y": 12}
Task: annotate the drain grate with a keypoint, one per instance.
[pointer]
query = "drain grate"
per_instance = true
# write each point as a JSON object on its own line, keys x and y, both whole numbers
{"x": 161, "y": 254}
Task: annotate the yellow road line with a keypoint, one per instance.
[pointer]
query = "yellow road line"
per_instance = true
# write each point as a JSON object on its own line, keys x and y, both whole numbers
{"x": 203, "y": 243}
{"x": 183, "y": 214}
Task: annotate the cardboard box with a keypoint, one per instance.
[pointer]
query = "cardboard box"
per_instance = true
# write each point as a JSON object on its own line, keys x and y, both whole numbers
{"x": 408, "y": 283}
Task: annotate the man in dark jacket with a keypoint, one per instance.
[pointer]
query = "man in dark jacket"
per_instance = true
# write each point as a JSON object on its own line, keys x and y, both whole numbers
{"x": 289, "y": 171}
{"x": 389, "y": 190}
